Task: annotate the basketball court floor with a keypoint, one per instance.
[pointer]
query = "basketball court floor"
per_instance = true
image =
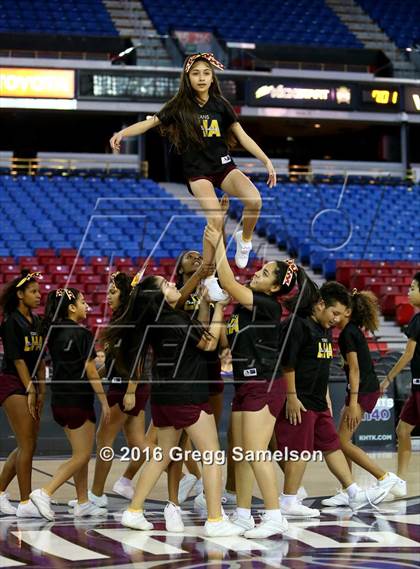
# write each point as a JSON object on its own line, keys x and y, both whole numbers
{"x": 387, "y": 537}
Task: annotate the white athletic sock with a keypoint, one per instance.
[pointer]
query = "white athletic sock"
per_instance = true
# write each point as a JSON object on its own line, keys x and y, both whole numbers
{"x": 274, "y": 514}
{"x": 287, "y": 500}
{"x": 125, "y": 481}
{"x": 244, "y": 512}
{"x": 352, "y": 490}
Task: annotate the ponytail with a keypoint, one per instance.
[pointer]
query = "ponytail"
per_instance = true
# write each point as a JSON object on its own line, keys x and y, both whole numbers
{"x": 307, "y": 296}
{"x": 122, "y": 282}
{"x": 365, "y": 310}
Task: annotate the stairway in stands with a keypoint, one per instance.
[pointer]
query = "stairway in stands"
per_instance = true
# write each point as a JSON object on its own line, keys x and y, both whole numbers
{"x": 371, "y": 35}
{"x": 132, "y": 21}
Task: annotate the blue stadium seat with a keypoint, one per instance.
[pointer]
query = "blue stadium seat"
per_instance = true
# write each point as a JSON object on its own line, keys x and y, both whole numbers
{"x": 309, "y": 22}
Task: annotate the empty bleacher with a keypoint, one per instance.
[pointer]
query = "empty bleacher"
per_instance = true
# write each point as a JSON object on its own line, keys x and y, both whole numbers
{"x": 62, "y": 17}
{"x": 399, "y": 19}
{"x": 297, "y": 22}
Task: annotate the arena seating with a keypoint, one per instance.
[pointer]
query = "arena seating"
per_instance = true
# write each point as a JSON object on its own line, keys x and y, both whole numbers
{"x": 63, "y": 17}
{"x": 358, "y": 235}
{"x": 298, "y": 22}
{"x": 400, "y": 20}
{"x": 108, "y": 217}
{"x": 117, "y": 222}
{"x": 321, "y": 223}
{"x": 388, "y": 280}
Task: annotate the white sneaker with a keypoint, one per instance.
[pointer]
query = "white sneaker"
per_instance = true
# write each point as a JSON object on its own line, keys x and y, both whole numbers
{"x": 298, "y": 510}
{"x": 198, "y": 487}
{"x": 368, "y": 497}
{"x": 72, "y": 503}
{"x": 123, "y": 489}
{"x": 267, "y": 527}
{"x": 6, "y": 507}
{"x": 340, "y": 499}
{"x": 302, "y": 494}
{"x": 186, "y": 485}
{"x": 243, "y": 250}
{"x": 395, "y": 485}
{"x": 244, "y": 523}
{"x": 27, "y": 510}
{"x": 100, "y": 501}
{"x": 135, "y": 520}
{"x": 173, "y": 519}
{"x": 88, "y": 509}
{"x": 216, "y": 293}
{"x": 224, "y": 528}
{"x": 200, "y": 502}
{"x": 43, "y": 503}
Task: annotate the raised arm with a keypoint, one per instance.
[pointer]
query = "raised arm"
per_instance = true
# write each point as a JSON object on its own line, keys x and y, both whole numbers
{"x": 239, "y": 292}
{"x": 133, "y": 130}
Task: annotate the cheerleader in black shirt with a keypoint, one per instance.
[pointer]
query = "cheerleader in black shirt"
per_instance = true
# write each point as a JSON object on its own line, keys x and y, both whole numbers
{"x": 199, "y": 122}
{"x": 410, "y": 413}
{"x": 362, "y": 388}
{"x": 22, "y": 385}
{"x": 306, "y": 423}
{"x": 254, "y": 337}
{"x": 74, "y": 383}
{"x": 179, "y": 395}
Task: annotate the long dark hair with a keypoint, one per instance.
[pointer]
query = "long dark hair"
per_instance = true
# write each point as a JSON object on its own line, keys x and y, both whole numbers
{"x": 57, "y": 307}
{"x": 365, "y": 310}
{"x": 307, "y": 295}
{"x": 9, "y": 300}
{"x": 126, "y": 338}
{"x": 122, "y": 282}
{"x": 185, "y": 129}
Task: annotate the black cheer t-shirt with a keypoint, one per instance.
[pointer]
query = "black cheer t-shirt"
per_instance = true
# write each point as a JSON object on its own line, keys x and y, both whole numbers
{"x": 21, "y": 341}
{"x": 352, "y": 339}
{"x": 71, "y": 346}
{"x": 308, "y": 350}
{"x": 179, "y": 368}
{"x": 254, "y": 337}
{"x": 215, "y": 118}
{"x": 413, "y": 332}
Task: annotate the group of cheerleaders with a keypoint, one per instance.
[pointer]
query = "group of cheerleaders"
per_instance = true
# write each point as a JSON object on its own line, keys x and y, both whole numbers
{"x": 163, "y": 341}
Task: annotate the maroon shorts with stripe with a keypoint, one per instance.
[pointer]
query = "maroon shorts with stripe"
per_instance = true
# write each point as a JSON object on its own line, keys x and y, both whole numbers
{"x": 72, "y": 417}
{"x": 178, "y": 416}
{"x": 410, "y": 413}
{"x": 316, "y": 432}
{"x": 367, "y": 401}
{"x": 253, "y": 395}
{"x": 10, "y": 385}
{"x": 115, "y": 395}
{"x": 215, "y": 179}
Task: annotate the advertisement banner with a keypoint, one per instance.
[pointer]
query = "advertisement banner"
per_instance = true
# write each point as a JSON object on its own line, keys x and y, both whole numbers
{"x": 31, "y": 83}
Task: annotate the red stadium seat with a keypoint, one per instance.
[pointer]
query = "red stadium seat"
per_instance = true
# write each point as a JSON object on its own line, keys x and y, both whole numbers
{"x": 121, "y": 262}
{"x": 45, "y": 252}
{"x": 26, "y": 261}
